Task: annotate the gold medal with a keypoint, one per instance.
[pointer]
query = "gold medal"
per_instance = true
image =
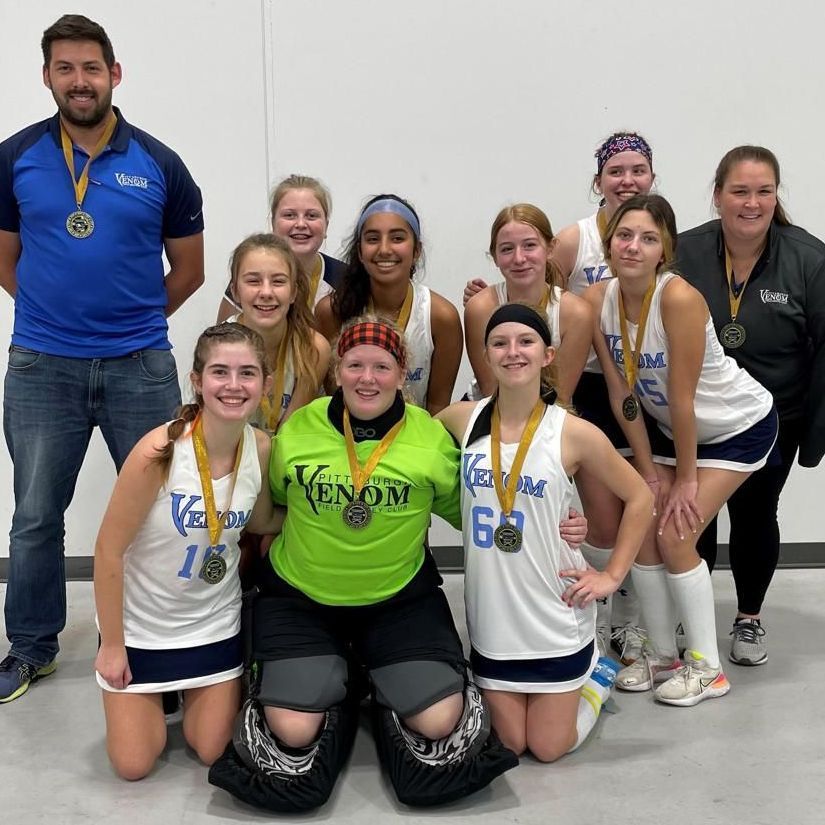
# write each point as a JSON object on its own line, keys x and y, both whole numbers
{"x": 80, "y": 224}
{"x": 507, "y": 537}
{"x": 630, "y": 357}
{"x": 732, "y": 335}
{"x": 214, "y": 566}
{"x": 358, "y": 514}
{"x": 630, "y": 408}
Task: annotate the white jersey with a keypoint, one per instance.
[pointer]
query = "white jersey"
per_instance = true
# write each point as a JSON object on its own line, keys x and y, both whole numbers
{"x": 419, "y": 338}
{"x": 514, "y": 600}
{"x": 166, "y": 604}
{"x": 728, "y": 400}
{"x": 589, "y": 269}
{"x": 258, "y": 418}
{"x": 324, "y": 287}
{"x": 552, "y": 316}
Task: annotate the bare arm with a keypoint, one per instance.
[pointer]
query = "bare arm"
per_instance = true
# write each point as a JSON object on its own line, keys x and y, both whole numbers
{"x": 476, "y": 315}
{"x": 585, "y": 446}
{"x": 135, "y": 491}
{"x": 9, "y": 253}
{"x": 684, "y": 314}
{"x": 566, "y": 251}
{"x": 448, "y": 347}
{"x": 473, "y": 287}
{"x": 576, "y": 331}
{"x": 185, "y": 269}
{"x": 266, "y": 519}
{"x": 456, "y": 417}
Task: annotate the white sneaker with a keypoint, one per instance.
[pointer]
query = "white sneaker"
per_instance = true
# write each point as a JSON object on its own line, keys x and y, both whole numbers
{"x": 692, "y": 683}
{"x": 627, "y": 642}
{"x": 646, "y": 671}
{"x": 748, "y": 646}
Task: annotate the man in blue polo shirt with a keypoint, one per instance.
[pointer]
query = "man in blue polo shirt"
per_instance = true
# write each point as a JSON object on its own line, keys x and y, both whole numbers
{"x": 88, "y": 204}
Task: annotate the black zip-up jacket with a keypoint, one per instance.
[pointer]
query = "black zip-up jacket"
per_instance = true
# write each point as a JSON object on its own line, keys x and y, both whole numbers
{"x": 783, "y": 312}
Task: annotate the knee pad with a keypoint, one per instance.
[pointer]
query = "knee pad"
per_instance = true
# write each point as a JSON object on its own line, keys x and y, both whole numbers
{"x": 427, "y": 772}
{"x": 410, "y": 687}
{"x": 311, "y": 683}
{"x": 256, "y": 770}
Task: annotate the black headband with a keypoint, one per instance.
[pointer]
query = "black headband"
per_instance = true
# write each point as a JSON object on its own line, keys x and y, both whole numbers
{"x": 519, "y": 314}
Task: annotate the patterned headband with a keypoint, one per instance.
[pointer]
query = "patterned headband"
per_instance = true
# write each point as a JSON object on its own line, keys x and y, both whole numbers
{"x": 372, "y": 332}
{"x": 622, "y": 142}
{"x": 396, "y": 208}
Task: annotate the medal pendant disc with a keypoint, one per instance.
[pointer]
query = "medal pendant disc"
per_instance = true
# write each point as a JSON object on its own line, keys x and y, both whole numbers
{"x": 630, "y": 408}
{"x": 80, "y": 224}
{"x": 357, "y": 514}
{"x": 213, "y": 569}
{"x": 732, "y": 335}
{"x": 508, "y": 538}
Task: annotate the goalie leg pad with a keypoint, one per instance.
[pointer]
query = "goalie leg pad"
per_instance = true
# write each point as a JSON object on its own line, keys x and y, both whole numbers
{"x": 256, "y": 770}
{"x": 410, "y": 687}
{"x": 310, "y": 683}
{"x": 428, "y": 772}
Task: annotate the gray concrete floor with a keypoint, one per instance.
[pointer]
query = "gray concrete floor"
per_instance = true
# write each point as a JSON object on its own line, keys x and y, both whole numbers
{"x": 756, "y": 756}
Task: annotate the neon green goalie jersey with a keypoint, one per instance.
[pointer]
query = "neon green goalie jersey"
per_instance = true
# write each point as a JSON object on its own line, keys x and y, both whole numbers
{"x": 309, "y": 472}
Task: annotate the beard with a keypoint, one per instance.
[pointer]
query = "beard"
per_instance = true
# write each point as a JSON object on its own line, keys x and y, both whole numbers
{"x": 84, "y": 118}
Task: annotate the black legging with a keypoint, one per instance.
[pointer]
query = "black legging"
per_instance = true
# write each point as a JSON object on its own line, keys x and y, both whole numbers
{"x": 754, "y": 528}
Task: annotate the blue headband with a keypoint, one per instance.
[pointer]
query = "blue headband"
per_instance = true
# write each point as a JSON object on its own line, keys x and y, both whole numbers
{"x": 622, "y": 142}
{"x": 396, "y": 208}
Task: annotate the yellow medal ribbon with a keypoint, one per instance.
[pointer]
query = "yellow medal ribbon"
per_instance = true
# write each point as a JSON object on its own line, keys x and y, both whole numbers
{"x": 545, "y": 299}
{"x": 507, "y": 495}
{"x": 631, "y": 356}
{"x": 361, "y": 475}
{"x": 213, "y": 523}
{"x": 404, "y": 313}
{"x": 733, "y": 299}
{"x": 601, "y": 223}
{"x": 82, "y": 184}
{"x": 314, "y": 280}
{"x": 273, "y": 406}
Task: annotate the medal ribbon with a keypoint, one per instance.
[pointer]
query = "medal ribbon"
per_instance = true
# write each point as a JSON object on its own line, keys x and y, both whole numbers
{"x": 82, "y": 184}
{"x": 314, "y": 280}
{"x": 272, "y": 406}
{"x": 214, "y": 524}
{"x": 733, "y": 299}
{"x": 631, "y": 356}
{"x": 404, "y": 313}
{"x": 361, "y": 475}
{"x": 507, "y": 496}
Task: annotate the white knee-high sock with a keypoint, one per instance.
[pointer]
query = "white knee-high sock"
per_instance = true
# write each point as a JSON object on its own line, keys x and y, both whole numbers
{"x": 594, "y": 694}
{"x": 693, "y": 594}
{"x": 626, "y": 607}
{"x": 657, "y": 608}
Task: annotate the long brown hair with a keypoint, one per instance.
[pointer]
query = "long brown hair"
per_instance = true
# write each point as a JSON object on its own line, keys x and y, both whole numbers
{"x": 209, "y": 338}
{"x": 531, "y": 215}
{"x": 300, "y": 321}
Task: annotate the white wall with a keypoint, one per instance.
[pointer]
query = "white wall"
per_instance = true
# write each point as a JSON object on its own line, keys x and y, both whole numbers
{"x": 460, "y": 106}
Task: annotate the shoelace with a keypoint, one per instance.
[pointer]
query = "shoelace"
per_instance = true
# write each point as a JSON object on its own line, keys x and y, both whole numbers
{"x": 748, "y": 632}
{"x": 628, "y": 635}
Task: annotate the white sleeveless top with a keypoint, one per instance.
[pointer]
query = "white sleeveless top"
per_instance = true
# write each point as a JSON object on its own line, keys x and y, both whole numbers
{"x": 419, "y": 338}
{"x": 165, "y": 603}
{"x": 552, "y": 315}
{"x": 589, "y": 269}
{"x": 258, "y": 418}
{"x": 728, "y": 400}
{"x": 514, "y": 600}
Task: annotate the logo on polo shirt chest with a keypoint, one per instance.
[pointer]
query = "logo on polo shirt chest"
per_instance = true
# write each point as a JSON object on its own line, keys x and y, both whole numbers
{"x": 125, "y": 179}
{"x": 769, "y": 297}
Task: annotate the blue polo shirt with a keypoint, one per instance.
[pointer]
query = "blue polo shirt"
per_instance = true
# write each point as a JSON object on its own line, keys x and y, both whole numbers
{"x": 101, "y": 296}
